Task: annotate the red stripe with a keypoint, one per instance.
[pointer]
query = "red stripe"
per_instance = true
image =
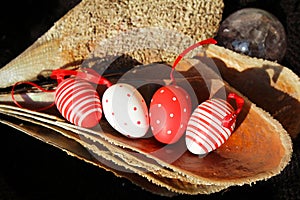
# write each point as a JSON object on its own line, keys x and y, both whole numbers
{"x": 212, "y": 108}
{"x": 213, "y": 113}
{"x": 214, "y": 131}
{"x": 79, "y": 109}
{"x": 59, "y": 91}
{"x": 199, "y": 144}
{"x": 69, "y": 109}
{"x": 221, "y": 104}
{"x": 68, "y": 92}
{"x": 211, "y": 124}
{"x": 73, "y": 90}
{"x": 71, "y": 99}
{"x": 205, "y": 135}
{"x": 61, "y": 86}
{"x": 228, "y": 109}
{"x": 86, "y": 108}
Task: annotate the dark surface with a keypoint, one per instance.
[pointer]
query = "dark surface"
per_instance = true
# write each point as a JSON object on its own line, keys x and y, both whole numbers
{"x": 31, "y": 169}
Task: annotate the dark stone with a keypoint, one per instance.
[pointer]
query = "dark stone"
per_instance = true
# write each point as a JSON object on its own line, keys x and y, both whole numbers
{"x": 254, "y": 32}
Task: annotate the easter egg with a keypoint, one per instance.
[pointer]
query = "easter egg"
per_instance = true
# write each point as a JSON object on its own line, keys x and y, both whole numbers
{"x": 125, "y": 110}
{"x": 78, "y": 102}
{"x": 170, "y": 109}
{"x": 205, "y": 130}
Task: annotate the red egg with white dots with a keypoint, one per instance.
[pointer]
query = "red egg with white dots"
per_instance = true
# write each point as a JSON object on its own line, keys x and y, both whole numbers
{"x": 125, "y": 110}
{"x": 170, "y": 109}
{"x": 78, "y": 102}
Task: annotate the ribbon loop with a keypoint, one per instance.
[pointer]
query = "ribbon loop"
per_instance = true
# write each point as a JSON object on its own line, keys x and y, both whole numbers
{"x": 87, "y": 74}
{"x": 204, "y": 42}
{"x": 60, "y": 74}
{"x": 231, "y": 118}
{"x": 34, "y": 85}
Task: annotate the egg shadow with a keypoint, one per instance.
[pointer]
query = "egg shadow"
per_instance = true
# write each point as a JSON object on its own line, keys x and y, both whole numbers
{"x": 207, "y": 84}
{"x": 257, "y": 85}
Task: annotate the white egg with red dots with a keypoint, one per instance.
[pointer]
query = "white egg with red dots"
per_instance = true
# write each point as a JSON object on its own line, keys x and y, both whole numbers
{"x": 170, "y": 109}
{"x": 125, "y": 110}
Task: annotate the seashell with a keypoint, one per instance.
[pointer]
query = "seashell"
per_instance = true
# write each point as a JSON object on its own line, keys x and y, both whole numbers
{"x": 241, "y": 148}
{"x": 79, "y": 148}
{"x": 77, "y": 35}
{"x": 246, "y": 156}
{"x": 42, "y": 56}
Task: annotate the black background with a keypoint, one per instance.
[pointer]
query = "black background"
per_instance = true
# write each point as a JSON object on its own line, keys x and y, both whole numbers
{"x": 31, "y": 169}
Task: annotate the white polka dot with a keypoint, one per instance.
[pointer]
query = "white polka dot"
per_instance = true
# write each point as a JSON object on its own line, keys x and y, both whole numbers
{"x": 152, "y": 128}
{"x": 149, "y": 114}
{"x": 169, "y": 132}
{"x": 159, "y": 105}
{"x": 162, "y": 91}
{"x": 157, "y": 121}
{"x": 186, "y": 96}
{"x": 174, "y": 98}
{"x": 181, "y": 125}
{"x": 151, "y": 100}
{"x": 184, "y": 110}
{"x": 171, "y": 115}
{"x": 176, "y": 86}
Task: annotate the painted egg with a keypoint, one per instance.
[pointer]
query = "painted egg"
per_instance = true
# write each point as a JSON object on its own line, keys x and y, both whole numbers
{"x": 125, "y": 110}
{"x": 205, "y": 131}
{"x": 170, "y": 109}
{"x": 78, "y": 102}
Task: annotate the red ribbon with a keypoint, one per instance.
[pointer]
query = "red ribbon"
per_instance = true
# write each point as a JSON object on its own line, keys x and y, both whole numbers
{"x": 87, "y": 74}
{"x": 204, "y": 42}
{"x": 231, "y": 118}
{"x": 32, "y": 84}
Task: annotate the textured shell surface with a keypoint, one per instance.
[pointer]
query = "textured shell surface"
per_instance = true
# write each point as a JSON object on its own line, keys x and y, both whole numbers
{"x": 33, "y": 62}
{"x": 76, "y": 35}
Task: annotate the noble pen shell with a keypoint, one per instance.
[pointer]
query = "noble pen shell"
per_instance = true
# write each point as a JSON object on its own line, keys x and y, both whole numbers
{"x": 206, "y": 130}
{"x": 170, "y": 109}
{"x": 78, "y": 102}
{"x": 125, "y": 110}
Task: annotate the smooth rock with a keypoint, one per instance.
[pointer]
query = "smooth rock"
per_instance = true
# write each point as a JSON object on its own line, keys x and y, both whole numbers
{"x": 253, "y": 32}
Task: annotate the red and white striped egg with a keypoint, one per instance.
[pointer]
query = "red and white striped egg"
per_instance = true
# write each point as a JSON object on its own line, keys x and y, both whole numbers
{"x": 170, "y": 109}
{"x": 78, "y": 102}
{"x": 125, "y": 110}
{"x": 205, "y": 131}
